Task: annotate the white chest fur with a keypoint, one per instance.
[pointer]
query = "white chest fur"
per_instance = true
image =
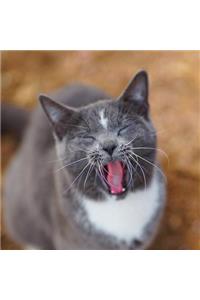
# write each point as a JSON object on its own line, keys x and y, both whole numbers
{"x": 125, "y": 219}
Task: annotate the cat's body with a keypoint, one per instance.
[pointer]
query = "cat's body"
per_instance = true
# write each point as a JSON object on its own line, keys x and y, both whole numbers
{"x": 50, "y": 209}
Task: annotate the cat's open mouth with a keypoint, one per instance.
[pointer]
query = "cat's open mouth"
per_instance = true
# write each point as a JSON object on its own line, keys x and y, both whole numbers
{"x": 115, "y": 174}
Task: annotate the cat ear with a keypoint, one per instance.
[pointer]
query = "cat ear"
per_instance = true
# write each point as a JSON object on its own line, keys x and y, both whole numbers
{"x": 137, "y": 93}
{"x": 58, "y": 114}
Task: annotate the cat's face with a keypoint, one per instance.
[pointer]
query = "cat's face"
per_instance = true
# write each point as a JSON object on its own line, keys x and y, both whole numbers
{"x": 108, "y": 146}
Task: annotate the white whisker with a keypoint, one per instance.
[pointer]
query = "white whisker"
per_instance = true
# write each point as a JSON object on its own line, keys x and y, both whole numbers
{"x": 74, "y": 162}
{"x": 72, "y": 149}
{"x": 136, "y": 161}
{"x": 147, "y": 161}
{"x": 131, "y": 140}
{"x": 149, "y": 148}
{"x": 88, "y": 173}
{"x": 76, "y": 178}
{"x": 129, "y": 169}
{"x": 101, "y": 173}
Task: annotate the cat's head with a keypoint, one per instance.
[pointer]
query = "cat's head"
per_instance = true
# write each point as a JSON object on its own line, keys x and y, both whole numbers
{"x": 108, "y": 146}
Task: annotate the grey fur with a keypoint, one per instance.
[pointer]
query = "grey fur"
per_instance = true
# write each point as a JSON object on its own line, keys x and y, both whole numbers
{"x": 41, "y": 207}
{"x": 13, "y": 119}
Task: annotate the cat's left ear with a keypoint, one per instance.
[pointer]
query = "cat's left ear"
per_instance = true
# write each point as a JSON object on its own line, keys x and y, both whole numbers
{"x": 136, "y": 93}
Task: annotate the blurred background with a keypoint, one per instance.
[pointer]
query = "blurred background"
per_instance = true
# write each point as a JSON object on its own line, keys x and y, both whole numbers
{"x": 174, "y": 99}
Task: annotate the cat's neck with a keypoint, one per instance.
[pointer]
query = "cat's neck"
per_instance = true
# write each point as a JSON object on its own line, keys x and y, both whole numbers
{"x": 125, "y": 219}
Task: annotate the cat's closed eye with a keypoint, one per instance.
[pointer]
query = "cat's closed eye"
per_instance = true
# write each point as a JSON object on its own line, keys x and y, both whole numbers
{"x": 123, "y": 130}
{"x": 88, "y": 138}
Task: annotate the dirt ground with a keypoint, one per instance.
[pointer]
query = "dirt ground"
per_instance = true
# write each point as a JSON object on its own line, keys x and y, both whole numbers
{"x": 174, "y": 100}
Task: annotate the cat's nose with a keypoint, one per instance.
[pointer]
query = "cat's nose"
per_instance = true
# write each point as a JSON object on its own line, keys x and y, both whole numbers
{"x": 109, "y": 148}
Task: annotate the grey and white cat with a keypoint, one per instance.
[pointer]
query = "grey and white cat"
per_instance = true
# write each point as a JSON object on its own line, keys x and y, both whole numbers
{"x": 95, "y": 185}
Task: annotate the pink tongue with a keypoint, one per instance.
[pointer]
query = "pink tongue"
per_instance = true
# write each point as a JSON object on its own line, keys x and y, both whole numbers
{"x": 115, "y": 177}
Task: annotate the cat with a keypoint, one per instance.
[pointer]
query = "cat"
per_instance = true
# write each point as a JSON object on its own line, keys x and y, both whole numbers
{"x": 86, "y": 174}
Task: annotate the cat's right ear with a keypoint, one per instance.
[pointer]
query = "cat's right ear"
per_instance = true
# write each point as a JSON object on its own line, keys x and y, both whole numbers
{"x": 58, "y": 114}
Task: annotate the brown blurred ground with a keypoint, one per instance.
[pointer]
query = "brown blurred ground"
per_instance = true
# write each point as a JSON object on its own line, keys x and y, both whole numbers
{"x": 174, "y": 98}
